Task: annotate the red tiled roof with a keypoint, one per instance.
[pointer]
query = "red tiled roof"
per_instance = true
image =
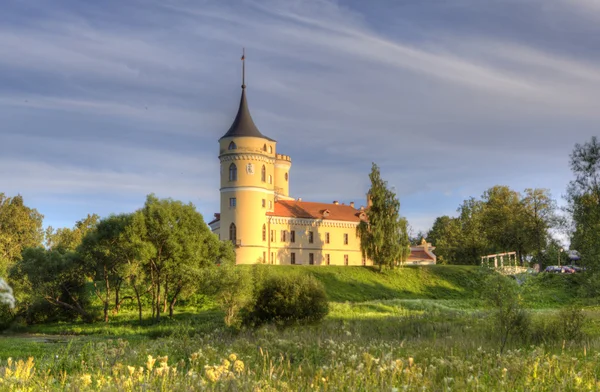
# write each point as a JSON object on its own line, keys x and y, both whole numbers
{"x": 419, "y": 255}
{"x": 313, "y": 210}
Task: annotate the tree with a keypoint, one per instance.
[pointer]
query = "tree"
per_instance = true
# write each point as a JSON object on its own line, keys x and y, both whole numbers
{"x": 102, "y": 251}
{"x": 583, "y": 197}
{"x": 57, "y": 277}
{"x": 70, "y": 239}
{"x": 444, "y": 235}
{"x": 540, "y": 217}
{"x": 182, "y": 245}
{"x": 20, "y": 228}
{"x": 383, "y": 236}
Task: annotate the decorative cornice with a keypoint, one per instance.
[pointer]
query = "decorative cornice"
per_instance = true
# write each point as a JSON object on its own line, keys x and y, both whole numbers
{"x": 246, "y": 157}
{"x": 312, "y": 222}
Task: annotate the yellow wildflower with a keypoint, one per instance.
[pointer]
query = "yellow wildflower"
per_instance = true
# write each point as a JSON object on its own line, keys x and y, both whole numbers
{"x": 225, "y": 363}
{"x": 86, "y": 379}
{"x": 131, "y": 370}
{"x": 232, "y": 357}
{"x": 238, "y": 366}
{"x": 150, "y": 362}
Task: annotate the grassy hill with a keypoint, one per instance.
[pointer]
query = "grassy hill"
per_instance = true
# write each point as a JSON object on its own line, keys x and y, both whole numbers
{"x": 358, "y": 284}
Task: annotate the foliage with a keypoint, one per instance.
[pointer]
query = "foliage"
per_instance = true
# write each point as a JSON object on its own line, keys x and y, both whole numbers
{"x": 583, "y": 197}
{"x": 383, "y": 236}
{"x": 502, "y": 220}
{"x": 182, "y": 245}
{"x": 58, "y": 278}
{"x": 20, "y": 227}
{"x": 571, "y": 321}
{"x": 65, "y": 239}
{"x": 286, "y": 300}
{"x": 509, "y": 316}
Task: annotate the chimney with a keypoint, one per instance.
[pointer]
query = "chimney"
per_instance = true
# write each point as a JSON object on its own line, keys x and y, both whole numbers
{"x": 352, "y": 204}
{"x": 336, "y": 202}
{"x": 299, "y": 199}
{"x": 362, "y": 208}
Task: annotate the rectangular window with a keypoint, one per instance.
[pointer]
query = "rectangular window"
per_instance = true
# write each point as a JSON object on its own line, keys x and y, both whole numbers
{"x": 292, "y": 258}
{"x": 345, "y": 259}
{"x": 272, "y": 235}
{"x": 270, "y": 204}
{"x": 272, "y": 257}
{"x": 283, "y": 235}
{"x": 345, "y": 238}
{"x": 264, "y": 203}
{"x": 326, "y": 238}
{"x": 265, "y": 257}
{"x": 310, "y": 237}
{"x": 232, "y": 202}
{"x": 293, "y": 236}
{"x": 311, "y": 258}
{"x": 327, "y": 259}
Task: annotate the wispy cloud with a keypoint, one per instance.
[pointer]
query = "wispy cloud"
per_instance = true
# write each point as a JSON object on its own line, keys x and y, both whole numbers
{"x": 123, "y": 103}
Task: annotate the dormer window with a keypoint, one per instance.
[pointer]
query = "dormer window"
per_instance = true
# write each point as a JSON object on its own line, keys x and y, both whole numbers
{"x": 362, "y": 215}
{"x": 232, "y": 146}
{"x": 325, "y": 213}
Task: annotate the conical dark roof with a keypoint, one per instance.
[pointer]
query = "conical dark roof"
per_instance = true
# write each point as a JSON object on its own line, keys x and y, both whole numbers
{"x": 243, "y": 124}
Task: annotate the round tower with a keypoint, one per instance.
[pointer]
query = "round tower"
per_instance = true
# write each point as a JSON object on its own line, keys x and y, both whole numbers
{"x": 247, "y": 160}
{"x": 283, "y": 163}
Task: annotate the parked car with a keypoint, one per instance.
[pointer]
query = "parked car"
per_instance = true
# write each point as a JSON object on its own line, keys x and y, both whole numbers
{"x": 557, "y": 269}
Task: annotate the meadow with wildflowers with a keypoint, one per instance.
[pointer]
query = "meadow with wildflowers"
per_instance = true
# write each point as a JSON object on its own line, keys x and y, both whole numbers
{"x": 410, "y": 342}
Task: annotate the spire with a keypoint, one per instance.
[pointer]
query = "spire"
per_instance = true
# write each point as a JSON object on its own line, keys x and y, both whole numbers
{"x": 243, "y": 124}
{"x": 243, "y": 68}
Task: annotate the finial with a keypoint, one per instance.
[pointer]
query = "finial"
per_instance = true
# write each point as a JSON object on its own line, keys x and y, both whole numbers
{"x": 243, "y": 67}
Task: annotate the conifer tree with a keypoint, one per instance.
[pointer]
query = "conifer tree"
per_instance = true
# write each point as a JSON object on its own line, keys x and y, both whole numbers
{"x": 383, "y": 235}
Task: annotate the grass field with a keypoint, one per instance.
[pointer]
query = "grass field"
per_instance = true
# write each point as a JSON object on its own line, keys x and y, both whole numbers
{"x": 416, "y": 329}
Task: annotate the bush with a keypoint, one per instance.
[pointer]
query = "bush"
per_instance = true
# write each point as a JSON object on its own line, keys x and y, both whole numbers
{"x": 509, "y": 317}
{"x": 570, "y": 323}
{"x": 287, "y": 300}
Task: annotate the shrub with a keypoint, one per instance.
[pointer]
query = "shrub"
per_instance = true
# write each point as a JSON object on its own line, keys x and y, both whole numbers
{"x": 570, "y": 323}
{"x": 509, "y": 317}
{"x": 286, "y": 300}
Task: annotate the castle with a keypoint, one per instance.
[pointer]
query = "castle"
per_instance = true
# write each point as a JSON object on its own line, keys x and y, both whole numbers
{"x": 258, "y": 215}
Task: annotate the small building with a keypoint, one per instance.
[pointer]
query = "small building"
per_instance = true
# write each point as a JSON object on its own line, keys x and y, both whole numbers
{"x": 421, "y": 254}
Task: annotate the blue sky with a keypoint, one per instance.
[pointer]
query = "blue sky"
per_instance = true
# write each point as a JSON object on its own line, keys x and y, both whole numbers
{"x": 103, "y": 102}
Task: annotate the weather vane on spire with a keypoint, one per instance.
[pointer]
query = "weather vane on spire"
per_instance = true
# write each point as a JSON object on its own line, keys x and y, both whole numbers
{"x": 243, "y": 67}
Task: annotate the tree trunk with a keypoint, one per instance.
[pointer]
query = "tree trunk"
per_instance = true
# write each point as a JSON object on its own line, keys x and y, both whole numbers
{"x": 165, "y": 301}
{"x": 171, "y": 306}
{"x": 139, "y": 302}
{"x": 117, "y": 293}
{"x": 157, "y": 297}
{"x": 107, "y": 297}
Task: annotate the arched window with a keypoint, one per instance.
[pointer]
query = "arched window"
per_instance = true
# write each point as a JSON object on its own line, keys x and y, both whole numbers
{"x": 286, "y": 176}
{"x": 265, "y": 147}
{"x": 263, "y": 174}
{"x": 232, "y": 172}
{"x": 270, "y": 149}
{"x": 264, "y": 232}
{"x": 270, "y": 179}
{"x": 232, "y": 233}
{"x": 232, "y": 146}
